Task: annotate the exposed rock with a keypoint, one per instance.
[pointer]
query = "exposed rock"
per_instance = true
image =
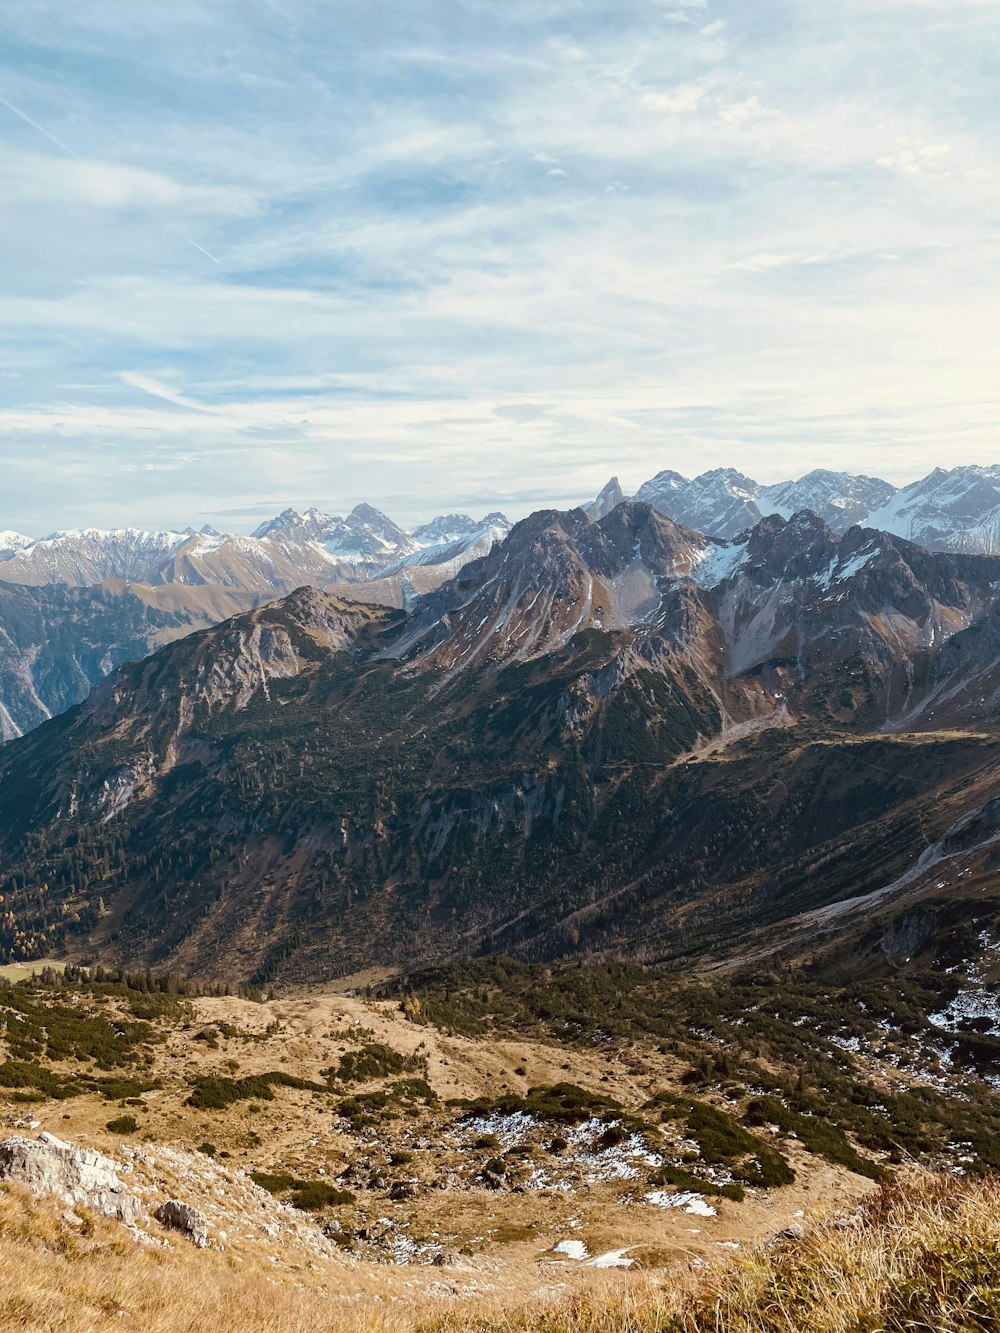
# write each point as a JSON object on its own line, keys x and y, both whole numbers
{"x": 793, "y": 1234}
{"x": 182, "y": 1217}
{"x": 47, "y": 1165}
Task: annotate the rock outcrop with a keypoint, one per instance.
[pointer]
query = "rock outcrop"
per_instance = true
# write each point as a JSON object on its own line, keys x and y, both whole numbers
{"x": 182, "y": 1217}
{"x": 48, "y": 1166}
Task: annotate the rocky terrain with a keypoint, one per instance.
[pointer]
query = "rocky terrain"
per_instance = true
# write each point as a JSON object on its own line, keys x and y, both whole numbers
{"x": 463, "y": 1141}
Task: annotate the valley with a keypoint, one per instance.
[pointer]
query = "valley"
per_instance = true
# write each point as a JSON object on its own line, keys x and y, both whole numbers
{"x": 618, "y": 738}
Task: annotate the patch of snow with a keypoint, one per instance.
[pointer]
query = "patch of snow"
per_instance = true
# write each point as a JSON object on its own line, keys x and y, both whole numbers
{"x": 612, "y": 1259}
{"x": 694, "y": 1204}
{"x": 718, "y": 562}
{"x": 572, "y": 1249}
{"x": 971, "y": 1003}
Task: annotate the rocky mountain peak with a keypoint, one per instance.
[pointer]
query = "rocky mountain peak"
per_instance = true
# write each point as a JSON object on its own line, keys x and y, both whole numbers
{"x": 791, "y": 548}
{"x": 609, "y": 497}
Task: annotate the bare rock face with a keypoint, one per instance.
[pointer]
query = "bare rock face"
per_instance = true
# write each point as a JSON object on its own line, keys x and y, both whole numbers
{"x": 182, "y": 1217}
{"x": 49, "y": 1166}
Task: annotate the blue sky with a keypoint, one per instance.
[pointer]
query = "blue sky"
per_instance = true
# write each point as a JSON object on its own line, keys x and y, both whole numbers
{"x": 467, "y": 254}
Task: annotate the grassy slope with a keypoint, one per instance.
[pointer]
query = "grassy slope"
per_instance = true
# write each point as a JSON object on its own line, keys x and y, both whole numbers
{"x": 921, "y": 1254}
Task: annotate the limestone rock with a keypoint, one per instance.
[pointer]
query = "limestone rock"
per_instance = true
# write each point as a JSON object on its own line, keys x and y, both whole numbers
{"x": 182, "y": 1217}
{"x": 47, "y": 1165}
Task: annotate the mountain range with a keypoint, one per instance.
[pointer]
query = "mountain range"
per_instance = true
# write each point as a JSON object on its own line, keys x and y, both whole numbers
{"x": 946, "y": 510}
{"x": 279, "y": 556}
{"x": 956, "y": 510}
{"x": 126, "y": 613}
{"x": 76, "y": 604}
{"x": 597, "y": 737}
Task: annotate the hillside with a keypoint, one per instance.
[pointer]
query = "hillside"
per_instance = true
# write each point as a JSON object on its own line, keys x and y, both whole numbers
{"x": 604, "y": 737}
{"x": 58, "y": 641}
{"x": 492, "y": 1147}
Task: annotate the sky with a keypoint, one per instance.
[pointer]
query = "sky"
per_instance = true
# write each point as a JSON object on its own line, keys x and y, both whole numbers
{"x": 470, "y": 254}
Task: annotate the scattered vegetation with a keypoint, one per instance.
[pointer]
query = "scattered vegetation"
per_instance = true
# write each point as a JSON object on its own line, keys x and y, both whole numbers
{"x": 37, "y": 1026}
{"x": 773, "y": 1033}
{"x": 215, "y": 1092}
{"x": 312, "y": 1196}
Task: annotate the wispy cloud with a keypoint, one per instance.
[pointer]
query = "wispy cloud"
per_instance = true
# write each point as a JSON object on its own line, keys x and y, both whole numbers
{"x": 444, "y": 250}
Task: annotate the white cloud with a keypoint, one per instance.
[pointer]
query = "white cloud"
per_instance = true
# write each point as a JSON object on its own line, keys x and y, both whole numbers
{"x": 684, "y": 98}
{"x": 709, "y": 239}
{"x": 917, "y": 158}
{"x": 158, "y": 389}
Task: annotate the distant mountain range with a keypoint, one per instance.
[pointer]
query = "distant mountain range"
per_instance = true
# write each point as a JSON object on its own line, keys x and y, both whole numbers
{"x": 282, "y": 554}
{"x": 598, "y": 737}
{"x": 75, "y": 604}
{"x": 956, "y": 510}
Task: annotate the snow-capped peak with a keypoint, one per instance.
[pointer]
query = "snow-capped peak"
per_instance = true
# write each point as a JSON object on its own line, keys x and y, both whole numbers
{"x": 12, "y": 542}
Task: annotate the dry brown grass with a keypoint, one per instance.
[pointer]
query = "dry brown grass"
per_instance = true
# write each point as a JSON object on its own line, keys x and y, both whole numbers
{"x": 60, "y": 1278}
{"x": 923, "y": 1257}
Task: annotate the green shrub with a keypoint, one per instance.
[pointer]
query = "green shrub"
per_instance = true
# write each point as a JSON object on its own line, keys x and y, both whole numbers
{"x": 25, "y": 1074}
{"x": 563, "y": 1103}
{"x": 215, "y": 1092}
{"x": 372, "y": 1061}
{"x": 308, "y": 1195}
{"x": 123, "y": 1124}
{"x": 816, "y": 1135}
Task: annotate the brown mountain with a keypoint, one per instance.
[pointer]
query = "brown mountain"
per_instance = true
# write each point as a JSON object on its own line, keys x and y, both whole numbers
{"x": 600, "y": 737}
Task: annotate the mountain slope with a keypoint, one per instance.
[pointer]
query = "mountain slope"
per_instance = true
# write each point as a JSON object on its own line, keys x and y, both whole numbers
{"x": 721, "y": 503}
{"x": 597, "y": 736}
{"x": 87, "y": 556}
{"x": 57, "y": 642}
{"x": 838, "y": 498}
{"x": 948, "y": 510}
{"x": 952, "y": 510}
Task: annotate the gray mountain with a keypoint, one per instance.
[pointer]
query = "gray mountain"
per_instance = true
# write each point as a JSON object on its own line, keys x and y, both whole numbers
{"x": 839, "y": 498}
{"x": 949, "y": 510}
{"x": 720, "y": 503}
{"x": 611, "y": 496}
